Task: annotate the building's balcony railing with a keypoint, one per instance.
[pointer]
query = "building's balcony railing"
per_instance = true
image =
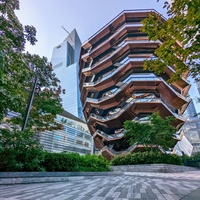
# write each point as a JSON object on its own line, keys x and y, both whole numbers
{"x": 123, "y": 12}
{"x": 123, "y": 44}
{"x": 135, "y": 78}
{"x": 130, "y": 102}
{"x": 181, "y": 77}
{"x": 112, "y": 73}
{"x": 92, "y": 100}
{"x": 109, "y": 137}
{"x": 113, "y": 116}
{"x": 130, "y": 149}
{"x": 110, "y": 149}
{"x": 113, "y": 93}
{"x": 125, "y": 83}
{"x": 187, "y": 99}
{"x": 124, "y": 26}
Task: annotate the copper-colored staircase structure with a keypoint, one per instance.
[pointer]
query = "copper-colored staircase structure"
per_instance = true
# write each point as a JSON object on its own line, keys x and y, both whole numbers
{"x": 115, "y": 87}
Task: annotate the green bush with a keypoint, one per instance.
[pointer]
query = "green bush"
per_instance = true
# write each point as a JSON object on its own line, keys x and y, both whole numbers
{"x": 93, "y": 163}
{"x": 20, "y": 151}
{"x": 69, "y": 162}
{"x": 193, "y": 161}
{"x": 146, "y": 158}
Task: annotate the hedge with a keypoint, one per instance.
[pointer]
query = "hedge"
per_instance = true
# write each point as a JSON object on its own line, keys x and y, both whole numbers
{"x": 193, "y": 161}
{"x": 146, "y": 158}
{"x": 74, "y": 162}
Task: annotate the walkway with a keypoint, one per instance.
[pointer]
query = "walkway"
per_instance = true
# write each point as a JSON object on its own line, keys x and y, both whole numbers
{"x": 132, "y": 185}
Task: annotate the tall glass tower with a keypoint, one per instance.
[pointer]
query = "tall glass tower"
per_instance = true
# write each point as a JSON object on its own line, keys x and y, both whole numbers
{"x": 65, "y": 59}
{"x": 191, "y": 111}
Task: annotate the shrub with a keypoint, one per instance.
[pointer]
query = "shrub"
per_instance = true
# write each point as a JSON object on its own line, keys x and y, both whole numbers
{"x": 20, "y": 151}
{"x": 146, "y": 158}
{"x": 74, "y": 162}
{"x": 61, "y": 161}
{"x": 93, "y": 163}
{"x": 193, "y": 161}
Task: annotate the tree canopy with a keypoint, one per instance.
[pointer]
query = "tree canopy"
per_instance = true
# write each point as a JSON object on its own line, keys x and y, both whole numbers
{"x": 18, "y": 70}
{"x": 158, "y": 132}
{"x": 180, "y": 38}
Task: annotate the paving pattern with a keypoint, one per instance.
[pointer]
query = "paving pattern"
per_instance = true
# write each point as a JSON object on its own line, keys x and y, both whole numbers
{"x": 133, "y": 185}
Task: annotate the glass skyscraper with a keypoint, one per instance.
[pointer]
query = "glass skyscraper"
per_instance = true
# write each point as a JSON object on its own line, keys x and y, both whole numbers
{"x": 191, "y": 111}
{"x": 65, "y": 59}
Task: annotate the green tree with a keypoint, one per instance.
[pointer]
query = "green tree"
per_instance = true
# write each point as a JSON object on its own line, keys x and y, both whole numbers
{"x": 18, "y": 70}
{"x": 158, "y": 132}
{"x": 180, "y": 38}
{"x": 20, "y": 151}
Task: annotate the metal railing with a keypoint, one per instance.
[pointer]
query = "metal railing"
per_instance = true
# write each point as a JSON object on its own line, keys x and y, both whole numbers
{"x": 126, "y": 11}
{"x": 114, "y": 115}
{"x": 131, "y": 148}
{"x": 141, "y": 100}
{"x": 108, "y": 137}
{"x": 126, "y": 82}
{"x": 110, "y": 74}
{"x": 124, "y": 43}
{"x": 134, "y": 24}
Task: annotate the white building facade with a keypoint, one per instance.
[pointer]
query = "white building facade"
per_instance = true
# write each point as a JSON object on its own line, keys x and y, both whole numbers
{"x": 74, "y": 137}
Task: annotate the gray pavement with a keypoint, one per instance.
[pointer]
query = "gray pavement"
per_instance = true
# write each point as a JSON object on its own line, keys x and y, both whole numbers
{"x": 132, "y": 185}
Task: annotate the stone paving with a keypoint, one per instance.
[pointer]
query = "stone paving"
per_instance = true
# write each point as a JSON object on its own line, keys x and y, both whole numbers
{"x": 130, "y": 186}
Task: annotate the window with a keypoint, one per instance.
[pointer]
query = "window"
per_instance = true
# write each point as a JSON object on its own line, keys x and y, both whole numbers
{"x": 86, "y": 144}
{"x": 79, "y": 142}
{"x": 88, "y": 137}
{"x": 70, "y": 54}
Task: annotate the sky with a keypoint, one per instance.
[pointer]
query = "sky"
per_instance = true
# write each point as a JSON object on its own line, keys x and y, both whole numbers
{"x": 86, "y": 16}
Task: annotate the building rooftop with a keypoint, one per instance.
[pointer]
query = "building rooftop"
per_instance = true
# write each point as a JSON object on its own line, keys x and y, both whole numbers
{"x": 70, "y": 116}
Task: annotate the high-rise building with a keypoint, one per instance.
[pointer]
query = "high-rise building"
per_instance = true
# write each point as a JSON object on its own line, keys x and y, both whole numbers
{"x": 65, "y": 58}
{"x": 74, "y": 137}
{"x": 191, "y": 111}
{"x": 198, "y": 86}
{"x": 191, "y": 130}
{"x": 115, "y": 87}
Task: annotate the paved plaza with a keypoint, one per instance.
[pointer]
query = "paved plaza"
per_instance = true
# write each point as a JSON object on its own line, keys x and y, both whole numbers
{"x": 132, "y": 185}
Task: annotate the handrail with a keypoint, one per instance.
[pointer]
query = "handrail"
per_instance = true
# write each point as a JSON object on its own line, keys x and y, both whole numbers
{"x": 143, "y": 100}
{"x": 109, "y": 74}
{"x": 113, "y": 136}
{"x": 129, "y": 24}
{"x": 114, "y": 115}
{"x": 114, "y": 52}
{"x": 119, "y": 152}
{"x": 125, "y": 11}
{"x": 132, "y": 147}
{"x": 107, "y": 96}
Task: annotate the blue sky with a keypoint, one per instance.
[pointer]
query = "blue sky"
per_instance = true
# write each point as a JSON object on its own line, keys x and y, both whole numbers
{"x": 87, "y": 16}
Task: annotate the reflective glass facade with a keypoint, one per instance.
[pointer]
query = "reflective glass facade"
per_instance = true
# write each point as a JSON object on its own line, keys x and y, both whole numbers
{"x": 74, "y": 137}
{"x": 191, "y": 111}
{"x": 191, "y": 130}
{"x": 65, "y": 65}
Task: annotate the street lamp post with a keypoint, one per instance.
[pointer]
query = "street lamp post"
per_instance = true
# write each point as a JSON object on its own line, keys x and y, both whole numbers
{"x": 29, "y": 104}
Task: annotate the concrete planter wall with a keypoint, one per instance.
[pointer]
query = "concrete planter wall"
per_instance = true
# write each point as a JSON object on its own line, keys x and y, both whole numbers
{"x": 7, "y": 178}
{"x": 161, "y": 168}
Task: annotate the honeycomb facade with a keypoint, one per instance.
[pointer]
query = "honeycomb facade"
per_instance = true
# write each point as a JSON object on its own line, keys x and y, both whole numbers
{"x": 115, "y": 87}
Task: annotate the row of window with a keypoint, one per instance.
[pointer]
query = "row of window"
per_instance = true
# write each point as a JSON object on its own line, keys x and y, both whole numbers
{"x": 76, "y": 133}
{"x": 50, "y": 138}
{"x": 70, "y": 123}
